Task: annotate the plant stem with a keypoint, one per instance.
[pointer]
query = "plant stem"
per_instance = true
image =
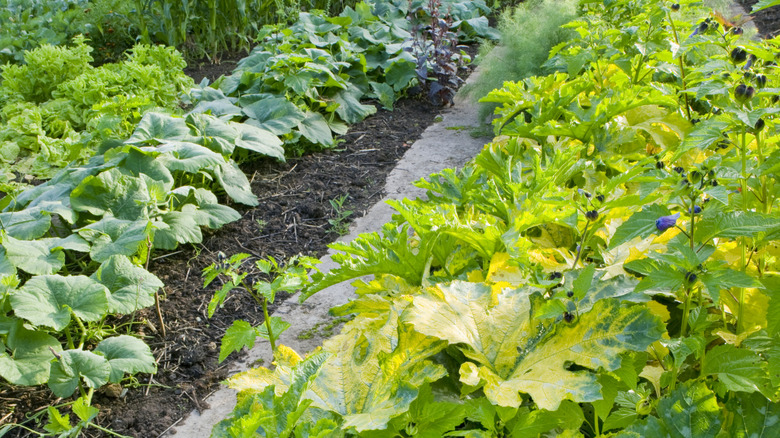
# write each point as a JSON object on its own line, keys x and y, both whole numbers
{"x": 686, "y": 311}
{"x": 268, "y": 326}
{"x": 693, "y": 219}
{"x": 743, "y": 258}
{"x": 83, "y": 331}
{"x": 682, "y": 65}
{"x": 582, "y": 245}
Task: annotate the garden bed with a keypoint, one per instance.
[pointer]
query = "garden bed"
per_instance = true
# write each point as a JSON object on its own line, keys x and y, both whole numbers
{"x": 292, "y": 218}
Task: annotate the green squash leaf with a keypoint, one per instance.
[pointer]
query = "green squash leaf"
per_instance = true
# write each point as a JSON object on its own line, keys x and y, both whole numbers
{"x": 160, "y": 127}
{"x": 49, "y": 300}
{"x": 74, "y": 365}
{"x": 126, "y": 354}
{"x": 111, "y": 236}
{"x": 315, "y": 129}
{"x": 35, "y": 257}
{"x": 187, "y": 157}
{"x": 234, "y": 182}
{"x": 28, "y": 358}
{"x": 177, "y": 227}
{"x": 131, "y": 287}
{"x": 350, "y": 109}
{"x": 259, "y": 140}
{"x": 27, "y": 224}
{"x": 126, "y": 197}
{"x": 276, "y": 114}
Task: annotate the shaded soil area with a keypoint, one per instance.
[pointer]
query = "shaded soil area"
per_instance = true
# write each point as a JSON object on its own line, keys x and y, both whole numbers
{"x": 292, "y": 217}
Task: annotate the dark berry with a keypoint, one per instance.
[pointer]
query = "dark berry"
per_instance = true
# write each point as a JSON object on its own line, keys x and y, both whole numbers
{"x": 568, "y": 317}
{"x": 592, "y": 215}
{"x": 678, "y": 169}
{"x": 760, "y": 124}
{"x": 676, "y": 7}
{"x": 690, "y": 277}
{"x": 738, "y": 55}
{"x": 555, "y": 276}
{"x": 737, "y": 30}
{"x": 714, "y": 183}
{"x": 761, "y": 81}
{"x": 569, "y": 294}
{"x": 740, "y": 91}
{"x": 600, "y": 198}
{"x": 659, "y": 164}
{"x": 750, "y": 92}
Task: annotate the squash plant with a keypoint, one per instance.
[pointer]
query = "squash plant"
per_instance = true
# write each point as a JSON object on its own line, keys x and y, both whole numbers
{"x": 76, "y": 249}
{"x": 305, "y": 82}
{"x": 606, "y": 266}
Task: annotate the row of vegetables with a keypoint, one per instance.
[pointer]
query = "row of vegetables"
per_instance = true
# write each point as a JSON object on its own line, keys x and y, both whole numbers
{"x": 135, "y": 170}
{"x": 608, "y": 265}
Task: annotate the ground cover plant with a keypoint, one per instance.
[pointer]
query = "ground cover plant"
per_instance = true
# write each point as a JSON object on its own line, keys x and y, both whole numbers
{"x": 607, "y": 266}
{"x": 75, "y": 250}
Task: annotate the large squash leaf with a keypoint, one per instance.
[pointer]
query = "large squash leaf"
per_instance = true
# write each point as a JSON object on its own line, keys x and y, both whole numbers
{"x": 509, "y": 355}
{"x": 126, "y": 354}
{"x": 131, "y": 287}
{"x": 126, "y": 197}
{"x": 375, "y": 372}
{"x": 50, "y": 300}
{"x": 74, "y": 365}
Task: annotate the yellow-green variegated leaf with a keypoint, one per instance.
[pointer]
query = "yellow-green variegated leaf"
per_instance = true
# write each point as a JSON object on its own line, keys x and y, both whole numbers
{"x": 375, "y": 371}
{"x": 494, "y": 331}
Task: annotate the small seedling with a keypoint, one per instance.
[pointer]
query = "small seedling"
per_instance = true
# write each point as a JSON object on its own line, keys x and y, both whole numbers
{"x": 263, "y": 282}
{"x": 339, "y": 222}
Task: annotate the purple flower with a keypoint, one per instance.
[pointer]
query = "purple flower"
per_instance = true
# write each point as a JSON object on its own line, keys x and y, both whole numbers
{"x": 663, "y": 223}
